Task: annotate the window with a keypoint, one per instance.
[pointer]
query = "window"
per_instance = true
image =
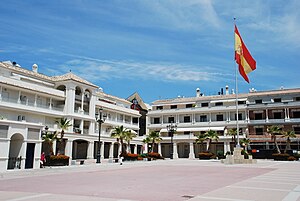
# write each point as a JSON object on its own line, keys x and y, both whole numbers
{"x": 219, "y": 117}
{"x": 297, "y": 130}
{"x": 188, "y": 105}
{"x": 159, "y": 107}
{"x": 203, "y": 118}
{"x": 259, "y": 131}
{"x": 171, "y": 120}
{"x": 135, "y": 120}
{"x": 277, "y": 100}
{"x": 277, "y": 115}
{"x": 156, "y": 120}
{"x": 296, "y": 114}
{"x": 297, "y": 98}
{"x": 204, "y": 104}
{"x": 259, "y": 101}
{"x": 173, "y": 106}
{"x": 258, "y": 116}
{"x": 240, "y": 116}
{"x": 241, "y": 102}
{"x": 186, "y": 132}
{"x": 186, "y": 119}
{"x": 219, "y": 104}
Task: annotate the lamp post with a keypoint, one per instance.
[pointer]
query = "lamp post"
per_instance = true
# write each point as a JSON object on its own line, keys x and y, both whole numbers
{"x": 100, "y": 118}
{"x": 171, "y": 130}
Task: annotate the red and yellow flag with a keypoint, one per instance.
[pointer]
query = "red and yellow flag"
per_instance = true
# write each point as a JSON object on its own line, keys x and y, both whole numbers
{"x": 242, "y": 56}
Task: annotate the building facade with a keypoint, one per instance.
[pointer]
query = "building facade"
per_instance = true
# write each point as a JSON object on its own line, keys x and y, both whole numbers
{"x": 30, "y": 101}
{"x": 256, "y": 111}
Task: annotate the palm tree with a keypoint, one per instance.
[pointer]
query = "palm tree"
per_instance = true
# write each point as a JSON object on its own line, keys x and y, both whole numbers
{"x": 211, "y": 135}
{"x": 232, "y": 132}
{"x": 49, "y": 138}
{"x": 288, "y": 135}
{"x": 63, "y": 124}
{"x": 128, "y": 137}
{"x": 273, "y": 131}
{"x": 146, "y": 141}
{"x": 153, "y": 137}
{"x": 245, "y": 142}
{"x": 201, "y": 138}
{"x": 119, "y": 132}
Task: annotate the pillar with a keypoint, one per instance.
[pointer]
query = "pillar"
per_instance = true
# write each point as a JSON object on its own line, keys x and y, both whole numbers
{"x": 159, "y": 148}
{"x": 175, "y": 153}
{"x": 267, "y": 116}
{"x": 135, "y": 149}
{"x": 192, "y": 153}
{"x": 90, "y": 150}
{"x": 111, "y": 151}
{"x": 102, "y": 150}
{"x": 68, "y": 150}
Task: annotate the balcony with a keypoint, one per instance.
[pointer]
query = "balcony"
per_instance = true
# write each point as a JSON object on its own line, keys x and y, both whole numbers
{"x": 28, "y": 105}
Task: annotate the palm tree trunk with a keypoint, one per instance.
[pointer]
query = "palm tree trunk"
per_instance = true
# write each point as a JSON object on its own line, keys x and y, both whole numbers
{"x": 288, "y": 145}
{"x": 276, "y": 145}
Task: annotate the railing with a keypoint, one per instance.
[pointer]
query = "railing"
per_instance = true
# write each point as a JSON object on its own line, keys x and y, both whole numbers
{"x": 29, "y": 103}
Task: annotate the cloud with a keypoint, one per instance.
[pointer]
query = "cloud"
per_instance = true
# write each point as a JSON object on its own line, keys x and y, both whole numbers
{"x": 95, "y": 69}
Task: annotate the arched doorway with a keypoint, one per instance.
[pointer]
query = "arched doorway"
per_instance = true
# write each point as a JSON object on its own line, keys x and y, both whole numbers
{"x": 80, "y": 148}
{"x": 15, "y": 151}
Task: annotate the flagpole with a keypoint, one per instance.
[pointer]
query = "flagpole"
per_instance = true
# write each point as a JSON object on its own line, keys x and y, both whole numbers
{"x": 236, "y": 96}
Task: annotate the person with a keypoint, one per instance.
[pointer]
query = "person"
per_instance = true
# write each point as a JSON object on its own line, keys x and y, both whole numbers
{"x": 121, "y": 158}
{"x": 42, "y": 159}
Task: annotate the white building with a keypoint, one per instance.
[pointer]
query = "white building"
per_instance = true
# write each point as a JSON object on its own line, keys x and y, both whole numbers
{"x": 30, "y": 101}
{"x": 193, "y": 115}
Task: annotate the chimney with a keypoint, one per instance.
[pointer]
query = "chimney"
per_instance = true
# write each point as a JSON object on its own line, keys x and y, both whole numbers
{"x": 227, "y": 90}
{"x": 35, "y": 68}
{"x": 232, "y": 91}
{"x": 222, "y": 91}
{"x": 198, "y": 92}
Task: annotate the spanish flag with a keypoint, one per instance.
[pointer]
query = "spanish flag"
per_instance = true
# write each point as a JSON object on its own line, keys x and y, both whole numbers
{"x": 242, "y": 56}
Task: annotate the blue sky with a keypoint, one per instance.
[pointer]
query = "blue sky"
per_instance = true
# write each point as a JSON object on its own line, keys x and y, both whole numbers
{"x": 160, "y": 49}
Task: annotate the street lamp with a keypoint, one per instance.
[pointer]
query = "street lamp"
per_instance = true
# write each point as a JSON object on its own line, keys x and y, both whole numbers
{"x": 100, "y": 118}
{"x": 171, "y": 130}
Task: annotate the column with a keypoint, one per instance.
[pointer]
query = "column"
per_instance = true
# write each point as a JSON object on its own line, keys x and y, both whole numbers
{"x": 19, "y": 98}
{"x": 210, "y": 117}
{"x": 90, "y": 150}
{"x": 22, "y": 154}
{"x": 159, "y": 148}
{"x": 111, "y": 151}
{"x": 226, "y": 147}
{"x": 175, "y": 153}
{"x": 81, "y": 126}
{"x": 0, "y": 93}
{"x": 82, "y": 99}
{"x": 70, "y": 99}
{"x": 102, "y": 150}
{"x": 35, "y": 98}
{"x": 248, "y": 114}
{"x": 50, "y": 104}
{"x": 145, "y": 148}
{"x": 192, "y": 153}
{"x": 37, "y": 155}
{"x": 119, "y": 149}
{"x": 135, "y": 149}
{"x": 267, "y": 116}
{"x": 68, "y": 150}
{"x": 54, "y": 147}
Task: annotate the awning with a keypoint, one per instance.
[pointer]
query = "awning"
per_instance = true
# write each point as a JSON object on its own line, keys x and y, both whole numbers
{"x": 219, "y": 128}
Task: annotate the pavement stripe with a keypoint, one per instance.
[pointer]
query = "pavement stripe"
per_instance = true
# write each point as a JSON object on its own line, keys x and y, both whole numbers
{"x": 29, "y": 197}
{"x": 294, "y": 195}
{"x": 217, "y": 198}
{"x": 268, "y": 189}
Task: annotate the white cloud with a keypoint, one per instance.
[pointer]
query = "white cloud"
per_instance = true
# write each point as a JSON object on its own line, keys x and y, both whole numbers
{"x": 95, "y": 69}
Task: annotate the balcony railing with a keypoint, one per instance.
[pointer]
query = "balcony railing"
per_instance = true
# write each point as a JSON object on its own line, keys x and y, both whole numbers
{"x": 29, "y": 104}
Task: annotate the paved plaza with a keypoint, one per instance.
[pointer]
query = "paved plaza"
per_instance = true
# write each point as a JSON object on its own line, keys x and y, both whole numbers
{"x": 164, "y": 180}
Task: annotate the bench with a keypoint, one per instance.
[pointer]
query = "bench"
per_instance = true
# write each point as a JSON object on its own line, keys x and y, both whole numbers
{"x": 113, "y": 160}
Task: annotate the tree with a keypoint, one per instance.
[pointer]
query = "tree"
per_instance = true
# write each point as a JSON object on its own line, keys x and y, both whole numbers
{"x": 152, "y": 138}
{"x": 119, "y": 132}
{"x": 63, "y": 124}
{"x": 273, "y": 131}
{"x": 288, "y": 135}
{"x": 49, "y": 138}
{"x": 245, "y": 142}
{"x": 211, "y": 135}
{"x": 201, "y": 138}
{"x": 232, "y": 133}
{"x": 128, "y": 137}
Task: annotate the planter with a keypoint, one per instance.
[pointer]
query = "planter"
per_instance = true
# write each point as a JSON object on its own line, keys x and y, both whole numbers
{"x": 206, "y": 156}
{"x": 60, "y": 160}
